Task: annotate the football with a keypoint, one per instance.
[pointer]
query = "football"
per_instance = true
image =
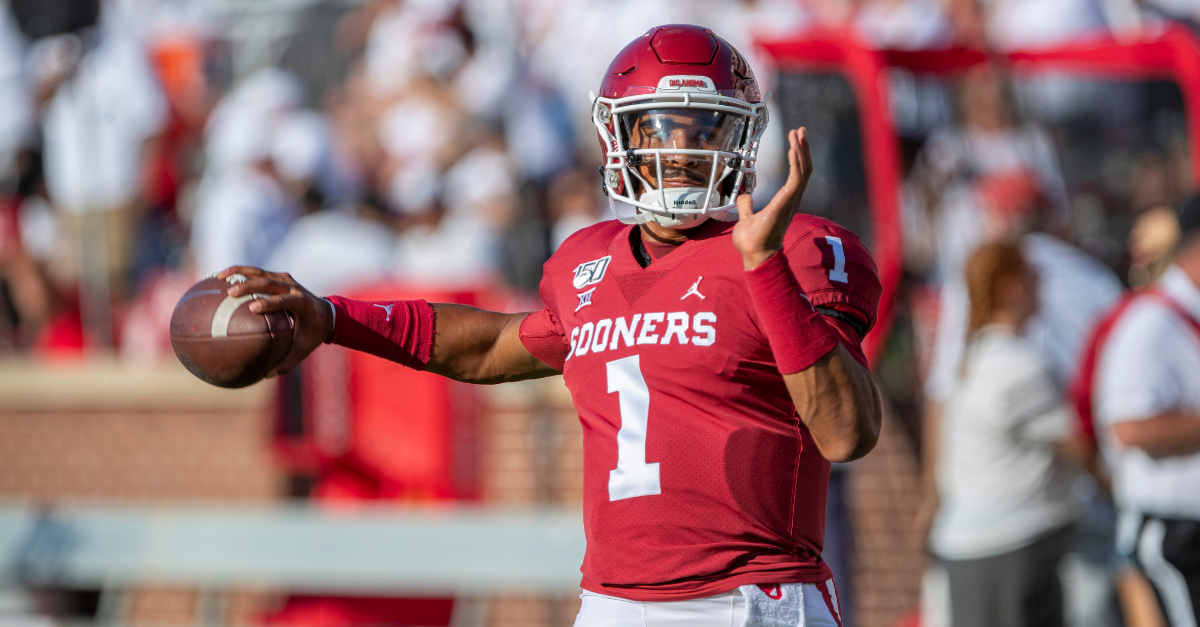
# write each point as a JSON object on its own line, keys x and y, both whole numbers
{"x": 221, "y": 341}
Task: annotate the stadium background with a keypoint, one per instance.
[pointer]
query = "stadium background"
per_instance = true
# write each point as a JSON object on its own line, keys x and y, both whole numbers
{"x": 441, "y": 149}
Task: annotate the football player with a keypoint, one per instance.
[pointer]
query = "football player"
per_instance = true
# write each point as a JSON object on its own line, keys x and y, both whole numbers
{"x": 712, "y": 352}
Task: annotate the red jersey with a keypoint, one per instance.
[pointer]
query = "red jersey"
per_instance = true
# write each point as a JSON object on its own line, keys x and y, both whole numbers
{"x": 699, "y": 476}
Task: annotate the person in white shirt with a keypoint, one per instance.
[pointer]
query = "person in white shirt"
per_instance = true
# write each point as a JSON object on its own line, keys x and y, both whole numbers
{"x": 1147, "y": 409}
{"x": 241, "y": 216}
{"x": 99, "y": 118}
{"x": 243, "y": 210}
{"x": 1003, "y": 520}
{"x": 458, "y": 245}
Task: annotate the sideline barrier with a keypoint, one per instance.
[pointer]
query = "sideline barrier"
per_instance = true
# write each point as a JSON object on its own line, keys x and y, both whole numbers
{"x": 365, "y": 550}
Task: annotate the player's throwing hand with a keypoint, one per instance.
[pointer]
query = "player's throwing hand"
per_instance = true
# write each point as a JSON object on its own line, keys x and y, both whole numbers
{"x": 313, "y": 316}
{"x": 759, "y": 235}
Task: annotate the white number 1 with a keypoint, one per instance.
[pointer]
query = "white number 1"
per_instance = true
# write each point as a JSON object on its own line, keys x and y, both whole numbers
{"x": 838, "y": 273}
{"x": 632, "y": 476}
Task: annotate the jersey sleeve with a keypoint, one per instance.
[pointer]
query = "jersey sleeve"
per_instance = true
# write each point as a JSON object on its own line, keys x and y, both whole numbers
{"x": 835, "y": 271}
{"x": 541, "y": 332}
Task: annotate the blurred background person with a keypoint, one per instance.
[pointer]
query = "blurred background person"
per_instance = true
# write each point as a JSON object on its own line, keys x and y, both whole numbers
{"x": 243, "y": 209}
{"x": 343, "y": 239}
{"x": 574, "y": 203}
{"x": 988, "y": 178}
{"x": 1147, "y": 407}
{"x": 101, "y": 110}
{"x": 1152, "y": 242}
{"x": 1003, "y": 519}
{"x": 454, "y": 239}
{"x": 994, "y": 178}
{"x": 339, "y": 247}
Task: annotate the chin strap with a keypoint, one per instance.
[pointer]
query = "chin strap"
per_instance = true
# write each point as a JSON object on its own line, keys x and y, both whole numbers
{"x": 678, "y": 197}
{"x": 675, "y": 198}
{"x": 628, "y": 214}
{"x": 677, "y": 220}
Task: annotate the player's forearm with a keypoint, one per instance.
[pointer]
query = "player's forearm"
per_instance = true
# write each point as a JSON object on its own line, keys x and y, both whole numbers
{"x": 477, "y": 346}
{"x": 1167, "y": 435}
{"x": 458, "y": 342}
{"x": 839, "y": 403}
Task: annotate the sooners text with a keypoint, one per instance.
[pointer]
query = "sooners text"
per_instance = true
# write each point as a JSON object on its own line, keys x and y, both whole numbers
{"x": 652, "y": 328}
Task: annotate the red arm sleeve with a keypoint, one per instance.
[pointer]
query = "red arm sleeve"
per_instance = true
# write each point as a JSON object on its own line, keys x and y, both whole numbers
{"x": 798, "y": 333}
{"x": 396, "y": 330}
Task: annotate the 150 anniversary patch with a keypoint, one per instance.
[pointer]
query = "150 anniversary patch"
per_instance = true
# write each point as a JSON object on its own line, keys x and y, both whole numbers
{"x": 591, "y": 273}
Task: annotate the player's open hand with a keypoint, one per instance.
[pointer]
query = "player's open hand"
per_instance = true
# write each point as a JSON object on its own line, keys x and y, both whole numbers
{"x": 311, "y": 314}
{"x": 759, "y": 235}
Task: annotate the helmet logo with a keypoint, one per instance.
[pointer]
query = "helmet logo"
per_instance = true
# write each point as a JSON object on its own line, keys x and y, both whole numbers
{"x": 686, "y": 83}
{"x": 739, "y": 66}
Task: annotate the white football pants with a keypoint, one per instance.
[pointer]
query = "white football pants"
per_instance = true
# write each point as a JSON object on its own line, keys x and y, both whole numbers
{"x": 818, "y": 607}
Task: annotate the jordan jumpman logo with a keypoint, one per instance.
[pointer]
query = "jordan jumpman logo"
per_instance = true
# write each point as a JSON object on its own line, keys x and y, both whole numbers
{"x": 694, "y": 290}
{"x": 388, "y": 309}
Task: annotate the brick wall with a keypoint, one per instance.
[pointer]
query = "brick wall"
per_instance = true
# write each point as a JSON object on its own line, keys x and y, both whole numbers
{"x": 533, "y": 445}
{"x": 140, "y": 455}
{"x": 101, "y": 432}
{"x": 532, "y": 455}
{"x": 883, "y": 499}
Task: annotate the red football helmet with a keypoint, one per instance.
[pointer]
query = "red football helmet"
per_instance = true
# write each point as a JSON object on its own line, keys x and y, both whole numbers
{"x": 680, "y": 118}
